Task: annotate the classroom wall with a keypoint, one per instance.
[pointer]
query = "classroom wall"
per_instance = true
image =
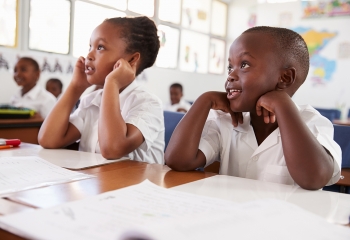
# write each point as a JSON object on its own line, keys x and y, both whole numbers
{"x": 329, "y": 94}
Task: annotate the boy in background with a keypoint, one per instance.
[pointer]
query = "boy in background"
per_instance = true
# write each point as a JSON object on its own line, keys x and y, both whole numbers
{"x": 177, "y": 104}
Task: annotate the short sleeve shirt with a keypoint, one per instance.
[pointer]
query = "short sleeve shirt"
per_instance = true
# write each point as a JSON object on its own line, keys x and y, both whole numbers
{"x": 139, "y": 108}
{"x": 37, "y": 99}
{"x": 237, "y": 149}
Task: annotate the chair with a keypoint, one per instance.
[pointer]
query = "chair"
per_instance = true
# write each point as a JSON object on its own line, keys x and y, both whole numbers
{"x": 171, "y": 119}
{"x": 342, "y": 137}
{"x": 331, "y": 114}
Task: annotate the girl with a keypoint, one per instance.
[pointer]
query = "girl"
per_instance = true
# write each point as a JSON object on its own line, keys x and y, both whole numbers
{"x": 122, "y": 119}
{"x": 26, "y": 75}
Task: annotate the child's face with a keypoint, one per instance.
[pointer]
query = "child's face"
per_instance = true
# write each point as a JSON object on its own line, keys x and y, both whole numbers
{"x": 25, "y": 74}
{"x": 175, "y": 95}
{"x": 106, "y": 48}
{"x": 53, "y": 88}
{"x": 253, "y": 70}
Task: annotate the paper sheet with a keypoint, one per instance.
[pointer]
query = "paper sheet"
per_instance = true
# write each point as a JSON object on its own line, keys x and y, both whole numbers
{"x": 147, "y": 211}
{"x": 21, "y": 173}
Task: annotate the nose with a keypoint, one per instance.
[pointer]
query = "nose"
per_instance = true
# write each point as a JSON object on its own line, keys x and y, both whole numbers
{"x": 90, "y": 57}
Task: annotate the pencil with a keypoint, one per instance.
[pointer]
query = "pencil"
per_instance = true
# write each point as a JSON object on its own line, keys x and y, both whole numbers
{"x": 6, "y": 146}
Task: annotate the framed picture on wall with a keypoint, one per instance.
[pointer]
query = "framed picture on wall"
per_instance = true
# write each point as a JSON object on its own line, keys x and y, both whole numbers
{"x": 8, "y": 23}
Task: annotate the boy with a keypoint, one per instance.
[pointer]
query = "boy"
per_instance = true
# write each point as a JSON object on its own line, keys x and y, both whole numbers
{"x": 260, "y": 133}
{"x": 54, "y": 86}
{"x": 177, "y": 104}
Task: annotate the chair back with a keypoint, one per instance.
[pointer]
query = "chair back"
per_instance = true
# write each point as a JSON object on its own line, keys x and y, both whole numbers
{"x": 171, "y": 119}
{"x": 342, "y": 137}
{"x": 331, "y": 114}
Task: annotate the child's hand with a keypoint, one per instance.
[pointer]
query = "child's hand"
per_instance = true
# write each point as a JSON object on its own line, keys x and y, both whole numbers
{"x": 123, "y": 73}
{"x": 79, "y": 77}
{"x": 219, "y": 101}
{"x": 268, "y": 104}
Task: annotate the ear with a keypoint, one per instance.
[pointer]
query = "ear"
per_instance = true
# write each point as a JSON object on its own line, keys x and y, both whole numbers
{"x": 287, "y": 78}
{"x": 134, "y": 59}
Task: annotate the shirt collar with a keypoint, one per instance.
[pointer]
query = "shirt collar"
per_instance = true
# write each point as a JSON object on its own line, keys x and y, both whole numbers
{"x": 32, "y": 93}
{"x": 122, "y": 96}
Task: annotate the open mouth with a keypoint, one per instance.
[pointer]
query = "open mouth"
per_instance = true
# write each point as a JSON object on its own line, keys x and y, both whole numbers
{"x": 89, "y": 70}
{"x": 233, "y": 93}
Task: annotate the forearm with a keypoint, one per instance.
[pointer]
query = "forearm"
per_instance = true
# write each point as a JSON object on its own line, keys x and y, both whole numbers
{"x": 53, "y": 131}
{"x": 182, "y": 150}
{"x": 112, "y": 129}
{"x": 308, "y": 162}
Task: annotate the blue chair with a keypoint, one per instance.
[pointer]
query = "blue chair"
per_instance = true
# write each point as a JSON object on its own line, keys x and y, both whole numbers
{"x": 171, "y": 119}
{"x": 331, "y": 114}
{"x": 342, "y": 137}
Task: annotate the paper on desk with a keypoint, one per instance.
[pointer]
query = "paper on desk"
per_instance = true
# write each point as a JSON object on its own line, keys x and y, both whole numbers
{"x": 21, "y": 173}
{"x": 146, "y": 211}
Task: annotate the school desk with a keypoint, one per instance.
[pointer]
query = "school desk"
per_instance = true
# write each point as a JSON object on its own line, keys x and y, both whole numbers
{"x": 345, "y": 122}
{"x": 333, "y": 206}
{"x": 25, "y": 129}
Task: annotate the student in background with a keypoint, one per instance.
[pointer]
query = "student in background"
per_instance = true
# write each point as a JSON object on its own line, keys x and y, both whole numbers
{"x": 31, "y": 95}
{"x": 54, "y": 86}
{"x": 254, "y": 128}
{"x": 122, "y": 119}
{"x": 177, "y": 104}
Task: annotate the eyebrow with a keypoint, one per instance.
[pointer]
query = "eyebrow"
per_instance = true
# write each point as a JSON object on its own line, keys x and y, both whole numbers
{"x": 100, "y": 39}
{"x": 242, "y": 54}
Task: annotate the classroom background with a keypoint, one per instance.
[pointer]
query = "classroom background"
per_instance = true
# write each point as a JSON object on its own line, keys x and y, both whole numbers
{"x": 195, "y": 36}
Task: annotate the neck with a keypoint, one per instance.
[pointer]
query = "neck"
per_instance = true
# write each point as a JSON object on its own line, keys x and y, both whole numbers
{"x": 261, "y": 129}
{"x": 26, "y": 89}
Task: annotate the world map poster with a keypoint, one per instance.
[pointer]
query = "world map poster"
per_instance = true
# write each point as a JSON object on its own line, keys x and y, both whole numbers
{"x": 325, "y": 8}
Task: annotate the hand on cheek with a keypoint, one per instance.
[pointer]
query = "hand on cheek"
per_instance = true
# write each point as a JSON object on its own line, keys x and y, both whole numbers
{"x": 123, "y": 73}
{"x": 79, "y": 77}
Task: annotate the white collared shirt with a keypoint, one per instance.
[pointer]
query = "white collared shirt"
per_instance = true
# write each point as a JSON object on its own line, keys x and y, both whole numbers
{"x": 37, "y": 99}
{"x": 237, "y": 149}
{"x": 139, "y": 108}
{"x": 173, "y": 108}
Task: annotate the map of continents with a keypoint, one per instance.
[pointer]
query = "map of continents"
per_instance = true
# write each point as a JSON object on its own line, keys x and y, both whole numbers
{"x": 322, "y": 68}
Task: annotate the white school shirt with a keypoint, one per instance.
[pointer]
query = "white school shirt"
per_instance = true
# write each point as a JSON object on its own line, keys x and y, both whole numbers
{"x": 237, "y": 149}
{"x": 173, "y": 108}
{"x": 139, "y": 108}
{"x": 37, "y": 99}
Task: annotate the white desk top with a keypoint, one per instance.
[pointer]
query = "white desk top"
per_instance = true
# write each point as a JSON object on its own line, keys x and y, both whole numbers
{"x": 335, "y": 207}
{"x": 70, "y": 159}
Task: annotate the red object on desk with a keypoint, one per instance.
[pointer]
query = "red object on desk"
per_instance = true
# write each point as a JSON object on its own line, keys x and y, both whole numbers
{"x": 11, "y": 142}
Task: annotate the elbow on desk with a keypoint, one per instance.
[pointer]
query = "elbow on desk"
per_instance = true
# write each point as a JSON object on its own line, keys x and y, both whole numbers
{"x": 46, "y": 143}
{"x": 171, "y": 161}
{"x": 111, "y": 153}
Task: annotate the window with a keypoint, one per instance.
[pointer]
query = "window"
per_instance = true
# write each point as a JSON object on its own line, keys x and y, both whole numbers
{"x": 8, "y": 22}
{"x": 45, "y": 20}
{"x": 143, "y": 7}
{"x": 87, "y": 17}
{"x": 192, "y": 33}
{"x": 169, "y": 45}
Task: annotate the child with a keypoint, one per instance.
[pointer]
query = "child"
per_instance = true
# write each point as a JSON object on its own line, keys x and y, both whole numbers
{"x": 177, "y": 104}
{"x": 54, "y": 86}
{"x": 26, "y": 75}
{"x": 260, "y": 133}
{"x": 122, "y": 119}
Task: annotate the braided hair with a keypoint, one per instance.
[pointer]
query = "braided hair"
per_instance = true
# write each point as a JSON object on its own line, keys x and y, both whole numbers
{"x": 290, "y": 45}
{"x": 140, "y": 35}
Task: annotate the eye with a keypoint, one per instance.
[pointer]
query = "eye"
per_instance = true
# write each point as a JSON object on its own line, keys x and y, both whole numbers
{"x": 100, "y": 47}
{"x": 229, "y": 69}
{"x": 245, "y": 65}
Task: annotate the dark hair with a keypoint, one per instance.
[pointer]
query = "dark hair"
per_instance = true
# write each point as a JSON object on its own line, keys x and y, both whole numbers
{"x": 32, "y": 61}
{"x": 290, "y": 45}
{"x": 56, "y": 80}
{"x": 176, "y": 85}
{"x": 140, "y": 35}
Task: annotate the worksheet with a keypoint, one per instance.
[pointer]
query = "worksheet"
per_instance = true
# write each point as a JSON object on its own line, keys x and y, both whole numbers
{"x": 147, "y": 211}
{"x": 22, "y": 173}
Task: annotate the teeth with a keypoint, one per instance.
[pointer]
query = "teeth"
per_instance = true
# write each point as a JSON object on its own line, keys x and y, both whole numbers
{"x": 235, "y": 90}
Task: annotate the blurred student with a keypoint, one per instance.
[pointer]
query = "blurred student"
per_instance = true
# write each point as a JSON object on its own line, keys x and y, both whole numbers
{"x": 177, "y": 104}
{"x": 31, "y": 95}
{"x": 54, "y": 86}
